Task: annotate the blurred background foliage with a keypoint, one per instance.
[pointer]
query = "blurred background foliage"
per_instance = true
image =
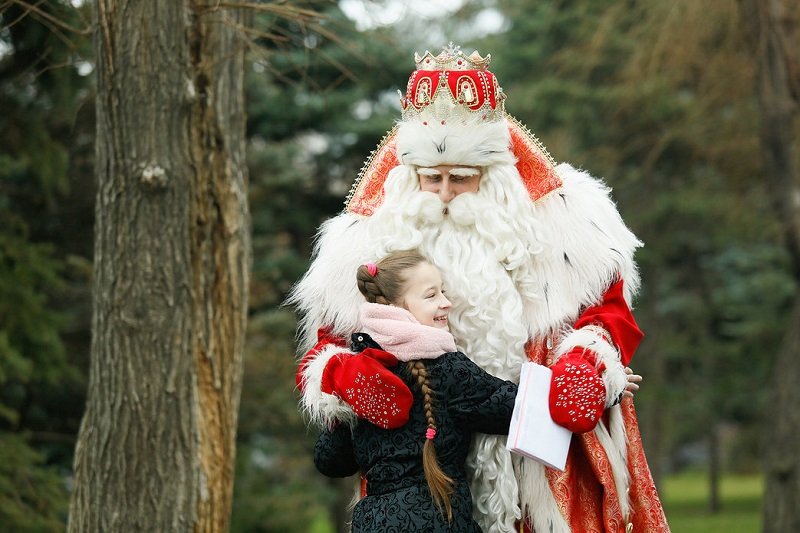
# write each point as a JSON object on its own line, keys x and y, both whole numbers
{"x": 655, "y": 97}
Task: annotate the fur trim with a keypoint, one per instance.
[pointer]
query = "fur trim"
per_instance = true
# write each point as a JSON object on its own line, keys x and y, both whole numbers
{"x": 615, "y": 380}
{"x": 432, "y": 143}
{"x": 614, "y": 441}
{"x": 321, "y": 408}
{"x": 539, "y": 506}
{"x": 614, "y": 376}
{"x": 587, "y": 246}
{"x": 327, "y": 295}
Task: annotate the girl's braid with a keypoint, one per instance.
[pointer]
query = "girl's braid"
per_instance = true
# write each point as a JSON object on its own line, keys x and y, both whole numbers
{"x": 385, "y": 283}
{"x": 440, "y": 484}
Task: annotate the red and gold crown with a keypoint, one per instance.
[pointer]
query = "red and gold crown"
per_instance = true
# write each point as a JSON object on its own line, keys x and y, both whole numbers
{"x": 452, "y": 85}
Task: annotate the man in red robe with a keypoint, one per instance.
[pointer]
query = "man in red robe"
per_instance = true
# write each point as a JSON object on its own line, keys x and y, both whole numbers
{"x": 538, "y": 265}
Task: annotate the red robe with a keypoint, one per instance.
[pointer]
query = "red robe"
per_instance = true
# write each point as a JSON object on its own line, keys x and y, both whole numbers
{"x": 585, "y": 490}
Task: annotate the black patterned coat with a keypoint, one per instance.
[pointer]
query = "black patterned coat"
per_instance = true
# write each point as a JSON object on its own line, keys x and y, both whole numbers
{"x": 468, "y": 400}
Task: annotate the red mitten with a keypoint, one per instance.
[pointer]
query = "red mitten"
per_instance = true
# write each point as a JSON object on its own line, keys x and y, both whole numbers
{"x": 364, "y": 383}
{"x": 577, "y": 392}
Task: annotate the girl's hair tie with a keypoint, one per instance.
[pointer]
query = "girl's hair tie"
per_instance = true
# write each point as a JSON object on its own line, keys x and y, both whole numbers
{"x": 430, "y": 433}
{"x": 372, "y": 268}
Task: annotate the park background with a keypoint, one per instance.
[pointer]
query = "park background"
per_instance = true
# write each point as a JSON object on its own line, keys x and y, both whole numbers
{"x": 660, "y": 99}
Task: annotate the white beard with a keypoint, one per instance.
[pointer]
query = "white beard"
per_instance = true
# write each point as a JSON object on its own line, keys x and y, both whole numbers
{"x": 486, "y": 247}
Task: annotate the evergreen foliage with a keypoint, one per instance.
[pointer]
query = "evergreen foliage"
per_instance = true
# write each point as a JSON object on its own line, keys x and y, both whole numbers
{"x": 655, "y": 97}
{"x": 319, "y": 100}
{"x": 45, "y": 248}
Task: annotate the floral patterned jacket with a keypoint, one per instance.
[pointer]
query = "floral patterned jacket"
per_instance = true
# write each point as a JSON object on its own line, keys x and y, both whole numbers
{"x": 467, "y": 400}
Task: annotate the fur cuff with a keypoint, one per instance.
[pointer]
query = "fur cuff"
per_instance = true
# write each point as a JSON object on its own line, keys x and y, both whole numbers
{"x": 615, "y": 379}
{"x": 596, "y": 340}
{"x": 321, "y": 408}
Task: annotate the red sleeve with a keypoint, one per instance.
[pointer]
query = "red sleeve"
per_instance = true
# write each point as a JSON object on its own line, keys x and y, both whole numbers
{"x": 324, "y": 338}
{"x": 614, "y": 315}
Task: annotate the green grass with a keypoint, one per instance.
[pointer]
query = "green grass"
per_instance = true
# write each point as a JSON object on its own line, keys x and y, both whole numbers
{"x": 685, "y": 500}
{"x": 321, "y": 524}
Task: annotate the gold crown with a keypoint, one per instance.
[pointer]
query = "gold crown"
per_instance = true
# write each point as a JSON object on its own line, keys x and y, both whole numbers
{"x": 451, "y": 86}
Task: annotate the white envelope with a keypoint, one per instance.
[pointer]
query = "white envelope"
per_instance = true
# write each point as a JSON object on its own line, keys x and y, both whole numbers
{"x": 533, "y": 432}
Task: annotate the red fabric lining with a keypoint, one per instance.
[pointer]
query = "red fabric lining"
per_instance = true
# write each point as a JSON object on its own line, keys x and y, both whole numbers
{"x": 614, "y": 315}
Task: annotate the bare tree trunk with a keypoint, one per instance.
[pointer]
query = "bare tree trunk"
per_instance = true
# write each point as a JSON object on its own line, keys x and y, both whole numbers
{"x": 172, "y": 256}
{"x": 774, "y": 33}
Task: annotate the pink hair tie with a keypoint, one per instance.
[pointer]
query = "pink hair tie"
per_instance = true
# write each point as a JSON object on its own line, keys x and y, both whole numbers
{"x": 372, "y": 268}
{"x": 430, "y": 433}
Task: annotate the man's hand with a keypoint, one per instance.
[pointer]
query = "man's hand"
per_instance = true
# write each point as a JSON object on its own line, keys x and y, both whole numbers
{"x": 373, "y": 392}
{"x": 633, "y": 383}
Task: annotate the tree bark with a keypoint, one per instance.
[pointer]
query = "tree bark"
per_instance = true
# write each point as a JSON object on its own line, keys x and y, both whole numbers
{"x": 156, "y": 446}
{"x": 774, "y": 34}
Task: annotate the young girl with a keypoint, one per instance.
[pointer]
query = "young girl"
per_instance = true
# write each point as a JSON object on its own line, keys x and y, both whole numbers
{"x": 415, "y": 477}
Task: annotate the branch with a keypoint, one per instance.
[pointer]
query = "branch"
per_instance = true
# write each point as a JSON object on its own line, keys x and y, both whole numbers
{"x": 45, "y": 16}
{"x": 287, "y": 11}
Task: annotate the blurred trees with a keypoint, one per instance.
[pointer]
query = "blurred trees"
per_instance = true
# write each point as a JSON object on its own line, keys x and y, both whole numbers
{"x": 46, "y": 197}
{"x": 774, "y": 31}
{"x": 656, "y": 97}
{"x": 319, "y": 98}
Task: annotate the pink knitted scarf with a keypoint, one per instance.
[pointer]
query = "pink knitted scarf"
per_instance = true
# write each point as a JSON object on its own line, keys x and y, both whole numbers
{"x": 398, "y": 332}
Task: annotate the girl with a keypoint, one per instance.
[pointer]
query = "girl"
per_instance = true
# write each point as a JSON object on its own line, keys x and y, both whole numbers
{"x": 415, "y": 477}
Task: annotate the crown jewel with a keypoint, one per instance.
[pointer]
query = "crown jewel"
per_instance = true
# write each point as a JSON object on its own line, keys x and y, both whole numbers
{"x": 452, "y": 86}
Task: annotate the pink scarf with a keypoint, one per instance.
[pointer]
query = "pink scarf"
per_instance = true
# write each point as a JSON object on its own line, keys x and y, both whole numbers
{"x": 398, "y": 332}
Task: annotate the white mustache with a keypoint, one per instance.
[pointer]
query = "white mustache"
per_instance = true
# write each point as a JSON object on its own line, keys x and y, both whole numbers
{"x": 464, "y": 208}
{"x": 461, "y": 210}
{"x": 426, "y": 207}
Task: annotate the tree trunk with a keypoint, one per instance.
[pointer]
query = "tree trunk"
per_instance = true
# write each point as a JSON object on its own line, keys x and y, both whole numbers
{"x": 156, "y": 446}
{"x": 781, "y": 512}
{"x": 714, "y": 470}
{"x": 774, "y": 34}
